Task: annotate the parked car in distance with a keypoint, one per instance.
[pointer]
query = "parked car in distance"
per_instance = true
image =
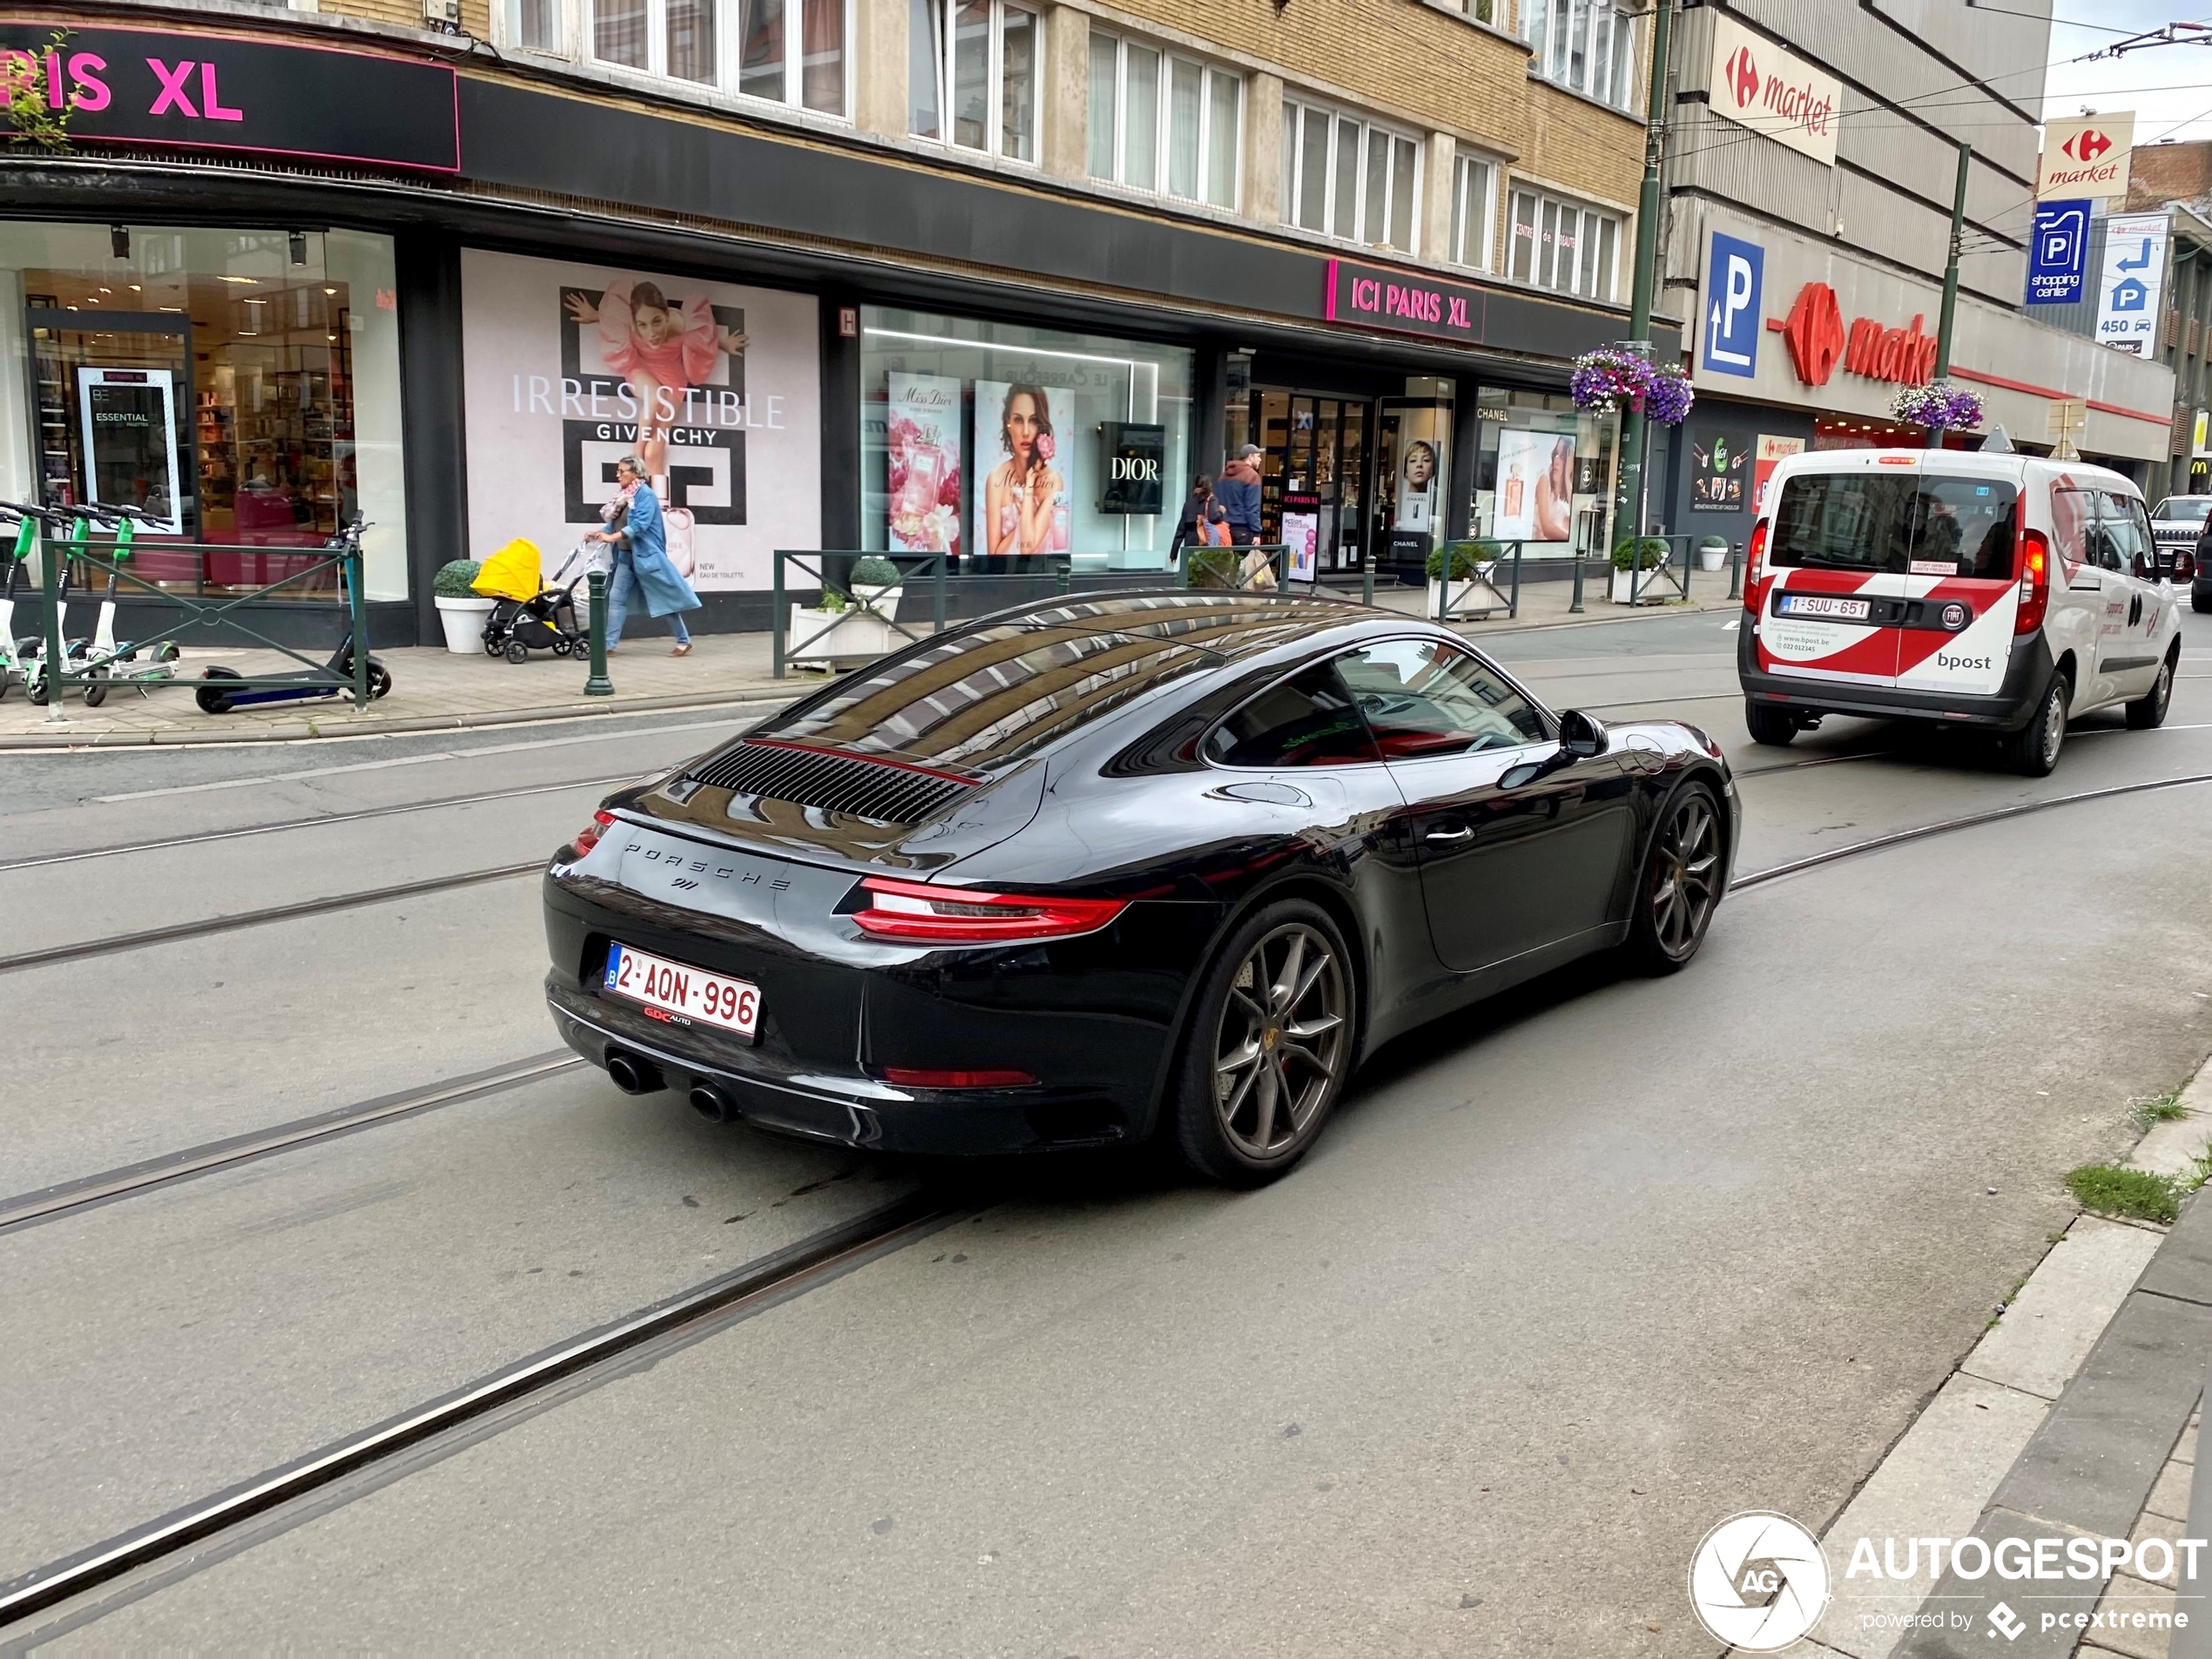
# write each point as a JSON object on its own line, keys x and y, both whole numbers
{"x": 2178, "y": 525}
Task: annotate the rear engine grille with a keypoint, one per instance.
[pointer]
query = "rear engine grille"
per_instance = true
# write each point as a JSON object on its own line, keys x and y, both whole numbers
{"x": 837, "y": 783}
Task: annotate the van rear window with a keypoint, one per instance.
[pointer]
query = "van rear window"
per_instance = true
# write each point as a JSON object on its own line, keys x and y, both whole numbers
{"x": 1868, "y": 522}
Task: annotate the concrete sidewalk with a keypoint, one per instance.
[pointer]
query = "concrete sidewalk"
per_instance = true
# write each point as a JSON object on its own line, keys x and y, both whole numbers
{"x": 436, "y": 690}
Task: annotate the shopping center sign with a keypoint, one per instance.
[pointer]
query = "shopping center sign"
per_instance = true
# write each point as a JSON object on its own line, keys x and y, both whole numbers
{"x": 68, "y": 86}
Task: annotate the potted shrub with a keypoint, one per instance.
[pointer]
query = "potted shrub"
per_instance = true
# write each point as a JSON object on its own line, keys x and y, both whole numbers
{"x": 1712, "y": 553}
{"x": 460, "y": 608}
{"x": 1459, "y": 579}
{"x": 835, "y": 629}
{"x": 1211, "y": 567}
{"x": 1631, "y": 554}
{"x": 878, "y": 584}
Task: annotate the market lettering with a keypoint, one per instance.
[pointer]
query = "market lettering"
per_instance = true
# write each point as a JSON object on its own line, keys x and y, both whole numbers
{"x": 1802, "y": 105}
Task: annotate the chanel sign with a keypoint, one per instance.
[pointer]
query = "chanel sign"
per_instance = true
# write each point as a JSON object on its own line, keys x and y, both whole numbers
{"x": 1134, "y": 460}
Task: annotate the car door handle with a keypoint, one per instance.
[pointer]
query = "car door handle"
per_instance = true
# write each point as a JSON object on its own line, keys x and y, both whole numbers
{"x": 1462, "y": 833}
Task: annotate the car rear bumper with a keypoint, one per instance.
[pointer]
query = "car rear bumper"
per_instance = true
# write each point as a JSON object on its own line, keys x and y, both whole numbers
{"x": 2027, "y": 677}
{"x": 1091, "y": 1019}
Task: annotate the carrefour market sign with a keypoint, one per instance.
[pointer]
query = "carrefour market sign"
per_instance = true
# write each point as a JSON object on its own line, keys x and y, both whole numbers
{"x": 1756, "y": 85}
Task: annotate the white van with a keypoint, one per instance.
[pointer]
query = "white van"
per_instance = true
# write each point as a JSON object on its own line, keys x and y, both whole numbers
{"x": 1997, "y": 590}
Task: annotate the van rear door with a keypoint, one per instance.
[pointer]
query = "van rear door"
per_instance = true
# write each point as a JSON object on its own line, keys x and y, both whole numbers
{"x": 1838, "y": 552}
{"x": 1956, "y": 633}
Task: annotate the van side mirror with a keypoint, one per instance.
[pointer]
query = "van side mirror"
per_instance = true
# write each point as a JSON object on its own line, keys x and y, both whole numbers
{"x": 1582, "y": 736}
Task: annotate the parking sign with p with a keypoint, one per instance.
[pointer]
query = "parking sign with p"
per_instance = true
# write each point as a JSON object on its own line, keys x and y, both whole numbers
{"x": 1729, "y": 341}
{"x": 2054, "y": 258}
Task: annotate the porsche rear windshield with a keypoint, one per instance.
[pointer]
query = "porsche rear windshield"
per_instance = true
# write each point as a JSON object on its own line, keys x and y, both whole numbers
{"x": 1911, "y": 523}
{"x": 990, "y": 694}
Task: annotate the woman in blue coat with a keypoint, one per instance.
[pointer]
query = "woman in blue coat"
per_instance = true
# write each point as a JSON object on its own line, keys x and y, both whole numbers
{"x": 641, "y": 561}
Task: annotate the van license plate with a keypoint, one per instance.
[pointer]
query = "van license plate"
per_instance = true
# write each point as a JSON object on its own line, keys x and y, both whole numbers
{"x": 1821, "y": 604}
{"x": 688, "y": 993}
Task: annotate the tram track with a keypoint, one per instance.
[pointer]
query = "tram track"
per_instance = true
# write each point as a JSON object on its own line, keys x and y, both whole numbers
{"x": 71, "y": 1198}
{"x": 197, "y": 1533}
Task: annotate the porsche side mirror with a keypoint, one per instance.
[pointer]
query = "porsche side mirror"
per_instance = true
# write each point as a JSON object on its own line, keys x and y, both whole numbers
{"x": 1581, "y": 736}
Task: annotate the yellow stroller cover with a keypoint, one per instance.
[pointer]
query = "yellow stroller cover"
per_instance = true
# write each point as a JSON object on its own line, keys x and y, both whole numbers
{"x": 511, "y": 573}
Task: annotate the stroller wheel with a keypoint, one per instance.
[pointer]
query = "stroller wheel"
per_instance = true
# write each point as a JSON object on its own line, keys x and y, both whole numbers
{"x": 494, "y": 646}
{"x": 561, "y": 647}
{"x": 517, "y": 651}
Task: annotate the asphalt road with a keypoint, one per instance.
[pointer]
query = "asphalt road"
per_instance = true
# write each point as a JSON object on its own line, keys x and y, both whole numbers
{"x": 1570, "y": 1280}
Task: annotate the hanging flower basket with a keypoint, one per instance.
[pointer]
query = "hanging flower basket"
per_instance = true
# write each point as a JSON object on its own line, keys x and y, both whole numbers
{"x": 1938, "y": 405}
{"x": 1607, "y": 381}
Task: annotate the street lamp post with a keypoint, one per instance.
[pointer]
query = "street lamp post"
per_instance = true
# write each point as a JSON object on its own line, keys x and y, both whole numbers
{"x": 1951, "y": 277}
{"x": 1631, "y": 493}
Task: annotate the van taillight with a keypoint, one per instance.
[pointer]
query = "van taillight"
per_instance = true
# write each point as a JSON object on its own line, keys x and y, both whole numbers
{"x": 2035, "y": 582}
{"x": 1751, "y": 595}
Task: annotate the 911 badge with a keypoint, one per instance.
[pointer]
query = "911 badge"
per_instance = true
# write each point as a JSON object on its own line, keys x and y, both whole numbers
{"x": 1956, "y": 616}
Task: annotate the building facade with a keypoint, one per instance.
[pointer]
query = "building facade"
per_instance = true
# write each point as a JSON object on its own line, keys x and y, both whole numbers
{"x": 908, "y": 275}
{"x": 1812, "y": 159}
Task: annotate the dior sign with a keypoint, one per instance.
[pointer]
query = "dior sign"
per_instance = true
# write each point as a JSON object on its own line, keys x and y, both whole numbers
{"x": 1133, "y": 465}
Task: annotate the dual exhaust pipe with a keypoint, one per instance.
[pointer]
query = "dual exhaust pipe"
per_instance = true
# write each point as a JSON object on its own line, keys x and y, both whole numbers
{"x": 635, "y": 1074}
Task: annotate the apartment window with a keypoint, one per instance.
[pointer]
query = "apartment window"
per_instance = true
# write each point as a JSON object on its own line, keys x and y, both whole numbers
{"x": 1160, "y": 122}
{"x": 534, "y": 24}
{"x": 972, "y": 74}
{"x": 1559, "y": 245}
{"x": 1348, "y": 177}
{"x": 786, "y": 52}
{"x": 1475, "y": 185}
{"x": 1587, "y": 46}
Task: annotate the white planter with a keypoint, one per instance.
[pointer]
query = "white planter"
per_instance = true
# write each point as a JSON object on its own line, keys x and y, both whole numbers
{"x": 1474, "y": 596}
{"x": 883, "y": 601}
{"x": 1650, "y": 583}
{"x": 464, "y": 623}
{"x": 810, "y": 638}
{"x": 1712, "y": 556}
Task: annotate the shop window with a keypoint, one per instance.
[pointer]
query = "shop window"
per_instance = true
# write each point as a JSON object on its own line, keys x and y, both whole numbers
{"x": 1349, "y": 178}
{"x": 1567, "y": 248}
{"x": 1474, "y": 187}
{"x": 991, "y": 441}
{"x": 1161, "y": 123}
{"x": 1544, "y": 473}
{"x": 534, "y": 24}
{"x": 784, "y": 51}
{"x": 972, "y": 76}
{"x": 1587, "y": 46}
{"x": 273, "y": 358}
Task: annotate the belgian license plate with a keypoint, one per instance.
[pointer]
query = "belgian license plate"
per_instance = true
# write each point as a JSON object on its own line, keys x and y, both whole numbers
{"x": 1822, "y": 605}
{"x": 685, "y": 994}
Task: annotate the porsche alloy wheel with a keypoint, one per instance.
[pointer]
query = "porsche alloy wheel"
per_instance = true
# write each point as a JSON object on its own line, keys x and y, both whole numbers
{"x": 1279, "y": 1048}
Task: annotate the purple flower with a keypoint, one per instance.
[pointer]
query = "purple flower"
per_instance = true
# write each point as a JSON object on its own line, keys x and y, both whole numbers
{"x": 1605, "y": 381}
{"x": 1938, "y": 405}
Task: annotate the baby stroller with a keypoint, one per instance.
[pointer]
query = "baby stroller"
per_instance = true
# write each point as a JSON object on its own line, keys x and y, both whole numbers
{"x": 531, "y": 615}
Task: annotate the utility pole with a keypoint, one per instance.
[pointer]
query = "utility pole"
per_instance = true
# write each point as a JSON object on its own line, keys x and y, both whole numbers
{"x": 1951, "y": 277}
{"x": 1629, "y": 500}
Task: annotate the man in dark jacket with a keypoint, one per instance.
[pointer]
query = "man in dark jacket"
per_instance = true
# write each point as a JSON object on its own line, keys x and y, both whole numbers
{"x": 1238, "y": 492}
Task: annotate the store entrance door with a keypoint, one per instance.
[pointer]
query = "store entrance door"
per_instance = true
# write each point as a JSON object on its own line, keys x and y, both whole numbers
{"x": 1314, "y": 475}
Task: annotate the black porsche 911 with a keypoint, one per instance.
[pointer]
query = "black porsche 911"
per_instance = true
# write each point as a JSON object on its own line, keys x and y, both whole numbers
{"x": 1080, "y": 871}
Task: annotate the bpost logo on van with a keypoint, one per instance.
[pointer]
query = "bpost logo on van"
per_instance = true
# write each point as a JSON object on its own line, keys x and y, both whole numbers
{"x": 1735, "y": 274}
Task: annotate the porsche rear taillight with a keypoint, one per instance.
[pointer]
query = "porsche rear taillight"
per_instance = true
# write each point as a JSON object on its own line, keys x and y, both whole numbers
{"x": 1752, "y": 593}
{"x": 2035, "y": 582}
{"x": 588, "y": 837}
{"x": 964, "y": 916}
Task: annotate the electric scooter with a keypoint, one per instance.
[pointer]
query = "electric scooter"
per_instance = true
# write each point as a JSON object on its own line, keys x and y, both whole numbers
{"x": 103, "y": 659}
{"x": 332, "y": 678}
{"x": 12, "y": 650}
{"x": 36, "y": 525}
